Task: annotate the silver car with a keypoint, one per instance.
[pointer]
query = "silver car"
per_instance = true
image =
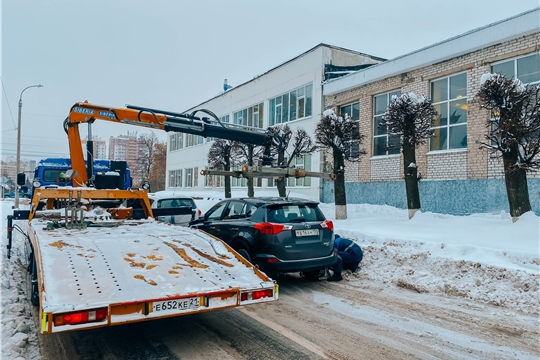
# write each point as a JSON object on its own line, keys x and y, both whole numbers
{"x": 175, "y": 202}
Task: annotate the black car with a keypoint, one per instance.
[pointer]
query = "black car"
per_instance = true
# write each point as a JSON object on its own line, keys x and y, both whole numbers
{"x": 278, "y": 234}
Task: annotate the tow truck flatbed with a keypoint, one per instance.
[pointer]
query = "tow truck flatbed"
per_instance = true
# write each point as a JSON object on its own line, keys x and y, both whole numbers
{"x": 137, "y": 270}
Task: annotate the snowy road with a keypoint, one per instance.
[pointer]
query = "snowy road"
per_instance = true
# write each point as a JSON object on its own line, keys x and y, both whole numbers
{"x": 449, "y": 298}
{"x": 318, "y": 320}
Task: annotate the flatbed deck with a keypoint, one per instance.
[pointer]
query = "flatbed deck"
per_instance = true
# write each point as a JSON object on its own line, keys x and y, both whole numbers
{"x": 133, "y": 267}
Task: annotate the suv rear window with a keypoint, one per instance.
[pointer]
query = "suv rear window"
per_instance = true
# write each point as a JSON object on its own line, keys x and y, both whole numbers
{"x": 174, "y": 203}
{"x": 294, "y": 213}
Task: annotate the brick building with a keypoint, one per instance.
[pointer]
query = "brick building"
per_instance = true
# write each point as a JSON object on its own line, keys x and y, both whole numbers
{"x": 458, "y": 177}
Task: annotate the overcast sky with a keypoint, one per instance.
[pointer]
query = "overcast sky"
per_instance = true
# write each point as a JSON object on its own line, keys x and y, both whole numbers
{"x": 174, "y": 54}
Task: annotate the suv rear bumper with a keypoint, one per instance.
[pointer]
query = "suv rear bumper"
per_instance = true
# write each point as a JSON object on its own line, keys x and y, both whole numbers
{"x": 301, "y": 265}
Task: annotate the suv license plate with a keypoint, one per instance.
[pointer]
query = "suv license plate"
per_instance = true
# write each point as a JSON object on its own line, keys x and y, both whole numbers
{"x": 177, "y": 305}
{"x": 309, "y": 232}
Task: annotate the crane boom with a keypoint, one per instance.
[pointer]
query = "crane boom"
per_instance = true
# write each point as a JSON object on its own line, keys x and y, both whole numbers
{"x": 84, "y": 112}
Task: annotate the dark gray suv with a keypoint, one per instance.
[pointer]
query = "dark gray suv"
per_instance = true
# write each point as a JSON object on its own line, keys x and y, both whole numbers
{"x": 278, "y": 234}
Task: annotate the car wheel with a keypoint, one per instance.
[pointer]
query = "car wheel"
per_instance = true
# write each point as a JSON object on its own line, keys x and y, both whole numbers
{"x": 244, "y": 253}
{"x": 34, "y": 289}
{"x": 314, "y": 275}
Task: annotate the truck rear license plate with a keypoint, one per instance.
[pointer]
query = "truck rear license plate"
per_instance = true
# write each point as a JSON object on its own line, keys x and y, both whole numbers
{"x": 177, "y": 304}
{"x": 309, "y": 232}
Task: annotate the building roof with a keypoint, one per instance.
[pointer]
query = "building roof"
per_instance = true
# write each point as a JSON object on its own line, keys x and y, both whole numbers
{"x": 516, "y": 26}
{"x": 287, "y": 62}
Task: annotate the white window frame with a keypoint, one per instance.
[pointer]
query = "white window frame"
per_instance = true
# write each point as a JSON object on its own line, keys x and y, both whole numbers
{"x": 176, "y": 141}
{"x": 251, "y": 116}
{"x": 515, "y": 60}
{"x": 305, "y": 101}
{"x": 193, "y": 140}
{"x": 175, "y": 178}
{"x": 448, "y": 101}
{"x": 375, "y": 120}
{"x": 351, "y": 105}
{"x": 214, "y": 181}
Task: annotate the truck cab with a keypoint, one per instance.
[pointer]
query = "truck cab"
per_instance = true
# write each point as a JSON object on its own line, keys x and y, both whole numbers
{"x": 49, "y": 171}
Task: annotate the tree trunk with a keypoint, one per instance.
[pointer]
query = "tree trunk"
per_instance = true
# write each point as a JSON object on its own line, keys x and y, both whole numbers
{"x": 339, "y": 186}
{"x": 411, "y": 179}
{"x": 517, "y": 189}
{"x": 251, "y": 191}
{"x": 281, "y": 182}
{"x": 227, "y": 167}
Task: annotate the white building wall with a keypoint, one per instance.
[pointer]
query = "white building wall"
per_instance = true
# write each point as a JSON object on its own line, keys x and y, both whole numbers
{"x": 304, "y": 70}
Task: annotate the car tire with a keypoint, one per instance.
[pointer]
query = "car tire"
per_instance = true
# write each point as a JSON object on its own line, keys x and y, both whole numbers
{"x": 244, "y": 253}
{"x": 314, "y": 275}
{"x": 34, "y": 289}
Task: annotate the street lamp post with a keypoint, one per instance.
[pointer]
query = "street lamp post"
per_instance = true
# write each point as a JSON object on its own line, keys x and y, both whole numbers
{"x": 19, "y": 144}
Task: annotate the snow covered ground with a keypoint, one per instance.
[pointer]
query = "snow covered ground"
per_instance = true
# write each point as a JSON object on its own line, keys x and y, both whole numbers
{"x": 483, "y": 257}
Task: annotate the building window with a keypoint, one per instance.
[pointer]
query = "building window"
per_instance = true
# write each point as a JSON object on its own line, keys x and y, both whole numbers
{"x": 192, "y": 140}
{"x": 302, "y": 162}
{"x": 189, "y": 177}
{"x": 352, "y": 110}
{"x": 238, "y": 182}
{"x": 175, "y": 178}
{"x": 449, "y": 97}
{"x": 252, "y": 116}
{"x": 526, "y": 68}
{"x": 176, "y": 141}
{"x": 381, "y": 140}
{"x": 293, "y": 105}
{"x": 214, "y": 181}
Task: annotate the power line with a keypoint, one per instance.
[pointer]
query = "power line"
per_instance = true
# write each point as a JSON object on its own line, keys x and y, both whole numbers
{"x": 7, "y": 101}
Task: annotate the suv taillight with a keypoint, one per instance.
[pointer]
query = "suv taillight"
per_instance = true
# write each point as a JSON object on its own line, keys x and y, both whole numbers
{"x": 269, "y": 228}
{"x": 199, "y": 212}
{"x": 327, "y": 224}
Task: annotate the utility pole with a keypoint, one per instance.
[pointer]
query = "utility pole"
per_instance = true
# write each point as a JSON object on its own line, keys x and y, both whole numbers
{"x": 19, "y": 144}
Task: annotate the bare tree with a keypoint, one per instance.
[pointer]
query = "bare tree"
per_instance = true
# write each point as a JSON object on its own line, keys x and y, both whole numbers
{"x": 222, "y": 157}
{"x": 247, "y": 153}
{"x": 146, "y": 143}
{"x": 302, "y": 145}
{"x": 158, "y": 168}
{"x": 513, "y": 133}
{"x": 341, "y": 136}
{"x": 410, "y": 119}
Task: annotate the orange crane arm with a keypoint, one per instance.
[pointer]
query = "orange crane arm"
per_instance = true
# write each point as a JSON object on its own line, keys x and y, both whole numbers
{"x": 83, "y": 112}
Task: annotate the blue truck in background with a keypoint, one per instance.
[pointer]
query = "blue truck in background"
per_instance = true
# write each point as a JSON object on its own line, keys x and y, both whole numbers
{"x": 50, "y": 171}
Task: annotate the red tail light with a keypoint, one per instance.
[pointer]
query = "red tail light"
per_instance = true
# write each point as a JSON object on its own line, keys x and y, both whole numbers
{"x": 255, "y": 295}
{"x": 261, "y": 294}
{"x": 272, "y": 260}
{"x": 327, "y": 224}
{"x": 199, "y": 212}
{"x": 80, "y": 317}
{"x": 269, "y": 228}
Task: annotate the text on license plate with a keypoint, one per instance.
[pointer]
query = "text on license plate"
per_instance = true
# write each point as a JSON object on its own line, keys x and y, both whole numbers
{"x": 177, "y": 304}
{"x": 309, "y": 232}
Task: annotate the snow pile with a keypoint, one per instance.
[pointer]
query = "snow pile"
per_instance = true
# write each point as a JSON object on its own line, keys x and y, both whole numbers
{"x": 484, "y": 257}
{"x": 18, "y": 331}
